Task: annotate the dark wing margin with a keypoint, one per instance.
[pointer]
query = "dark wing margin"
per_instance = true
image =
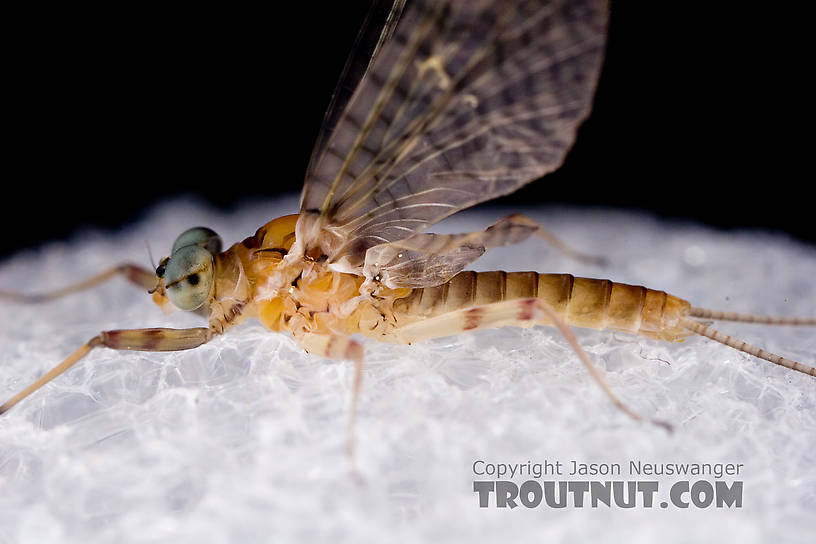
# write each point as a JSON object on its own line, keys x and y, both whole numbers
{"x": 467, "y": 101}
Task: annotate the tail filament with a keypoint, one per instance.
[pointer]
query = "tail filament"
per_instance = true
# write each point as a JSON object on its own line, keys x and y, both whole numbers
{"x": 716, "y": 315}
{"x": 717, "y": 336}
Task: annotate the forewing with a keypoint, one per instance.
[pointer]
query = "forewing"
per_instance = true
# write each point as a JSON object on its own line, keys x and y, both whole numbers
{"x": 467, "y": 101}
{"x": 377, "y": 29}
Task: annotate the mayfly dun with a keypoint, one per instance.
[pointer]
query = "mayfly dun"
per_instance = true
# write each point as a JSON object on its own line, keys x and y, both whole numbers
{"x": 442, "y": 105}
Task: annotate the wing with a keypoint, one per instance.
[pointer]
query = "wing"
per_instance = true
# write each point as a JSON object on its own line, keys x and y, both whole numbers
{"x": 425, "y": 260}
{"x": 377, "y": 29}
{"x": 467, "y": 101}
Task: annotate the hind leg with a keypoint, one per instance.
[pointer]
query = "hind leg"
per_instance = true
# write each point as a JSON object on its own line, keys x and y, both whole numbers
{"x": 522, "y": 312}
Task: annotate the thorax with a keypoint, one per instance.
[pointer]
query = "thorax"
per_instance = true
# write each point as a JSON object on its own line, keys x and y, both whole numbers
{"x": 254, "y": 278}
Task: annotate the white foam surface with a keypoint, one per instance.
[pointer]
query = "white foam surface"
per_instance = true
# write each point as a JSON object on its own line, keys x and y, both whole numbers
{"x": 241, "y": 440}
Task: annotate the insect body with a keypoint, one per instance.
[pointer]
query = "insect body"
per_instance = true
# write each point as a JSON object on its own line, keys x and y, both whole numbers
{"x": 453, "y": 103}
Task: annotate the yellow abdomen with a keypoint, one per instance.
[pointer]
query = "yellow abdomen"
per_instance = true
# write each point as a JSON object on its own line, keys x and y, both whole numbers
{"x": 582, "y": 302}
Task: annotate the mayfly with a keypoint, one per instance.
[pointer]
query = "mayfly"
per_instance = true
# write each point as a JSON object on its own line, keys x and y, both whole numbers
{"x": 443, "y": 104}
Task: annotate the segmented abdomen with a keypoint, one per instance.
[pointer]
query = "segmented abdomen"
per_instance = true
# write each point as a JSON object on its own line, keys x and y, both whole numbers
{"x": 582, "y": 302}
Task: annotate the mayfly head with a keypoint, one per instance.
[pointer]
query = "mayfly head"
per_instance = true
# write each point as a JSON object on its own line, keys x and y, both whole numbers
{"x": 186, "y": 277}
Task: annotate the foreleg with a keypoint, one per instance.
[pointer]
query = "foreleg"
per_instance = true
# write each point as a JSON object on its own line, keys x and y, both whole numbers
{"x": 135, "y": 274}
{"x": 125, "y": 339}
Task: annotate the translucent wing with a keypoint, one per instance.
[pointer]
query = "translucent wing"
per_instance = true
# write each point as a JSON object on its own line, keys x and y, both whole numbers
{"x": 424, "y": 260}
{"x": 467, "y": 101}
{"x": 377, "y": 29}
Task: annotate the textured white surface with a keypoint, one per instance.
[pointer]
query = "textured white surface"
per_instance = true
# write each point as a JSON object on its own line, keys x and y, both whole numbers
{"x": 241, "y": 440}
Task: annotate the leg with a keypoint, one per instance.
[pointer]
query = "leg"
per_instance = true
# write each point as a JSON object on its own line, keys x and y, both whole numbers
{"x": 523, "y": 312}
{"x": 597, "y": 260}
{"x": 339, "y": 347}
{"x": 129, "y": 339}
{"x": 526, "y": 226}
{"x": 425, "y": 260}
{"x": 133, "y": 273}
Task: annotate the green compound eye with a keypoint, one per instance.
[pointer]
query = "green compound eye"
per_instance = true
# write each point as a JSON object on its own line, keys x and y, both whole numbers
{"x": 188, "y": 277}
{"x": 198, "y": 236}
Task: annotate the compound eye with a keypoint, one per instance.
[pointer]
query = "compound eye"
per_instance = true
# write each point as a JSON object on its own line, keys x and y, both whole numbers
{"x": 162, "y": 267}
{"x": 198, "y": 236}
{"x": 188, "y": 277}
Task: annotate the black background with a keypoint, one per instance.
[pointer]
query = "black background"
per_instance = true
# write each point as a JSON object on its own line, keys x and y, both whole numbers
{"x": 702, "y": 112}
